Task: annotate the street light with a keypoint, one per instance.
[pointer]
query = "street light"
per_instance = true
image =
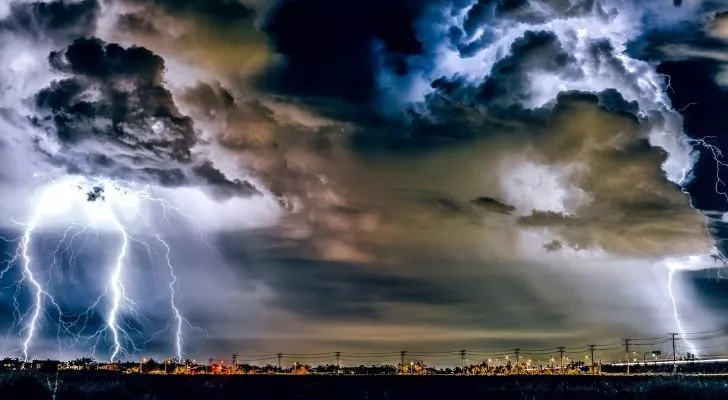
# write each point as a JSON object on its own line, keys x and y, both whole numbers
{"x": 654, "y": 353}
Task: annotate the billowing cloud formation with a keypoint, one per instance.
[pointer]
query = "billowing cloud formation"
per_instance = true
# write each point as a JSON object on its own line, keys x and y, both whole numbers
{"x": 217, "y": 35}
{"x": 693, "y": 55}
{"x": 57, "y": 20}
{"x": 466, "y": 169}
{"x": 600, "y": 153}
{"x": 114, "y": 117}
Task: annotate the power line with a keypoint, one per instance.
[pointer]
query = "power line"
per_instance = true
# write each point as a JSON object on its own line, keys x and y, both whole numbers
{"x": 705, "y": 339}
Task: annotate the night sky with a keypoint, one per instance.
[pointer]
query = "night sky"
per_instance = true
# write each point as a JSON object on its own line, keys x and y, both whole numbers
{"x": 310, "y": 176}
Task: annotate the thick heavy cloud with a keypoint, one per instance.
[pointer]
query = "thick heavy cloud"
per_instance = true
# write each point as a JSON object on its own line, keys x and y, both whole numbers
{"x": 335, "y": 49}
{"x": 220, "y": 36}
{"x": 492, "y": 205}
{"x": 693, "y": 55}
{"x": 600, "y": 153}
{"x": 459, "y": 171}
{"x": 56, "y": 20}
{"x": 491, "y": 167}
{"x": 114, "y": 117}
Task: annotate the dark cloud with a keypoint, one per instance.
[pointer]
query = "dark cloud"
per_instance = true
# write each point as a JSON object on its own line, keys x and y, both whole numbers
{"x": 412, "y": 221}
{"x": 113, "y": 116}
{"x": 335, "y": 49}
{"x": 55, "y": 20}
{"x": 348, "y": 291}
{"x": 138, "y": 24}
{"x": 228, "y": 12}
{"x": 483, "y": 20}
{"x": 492, "y": 205}
{"x": 553, "y": 245}
{"x": 371, "y": 292}
{"x": 693, "y": 55}
{"x": 616, "y": 215}
{"x": 261, "y": 132}
{"x": 508, "y": 88}
{"x": 695, "y": 93}
{"x": 696, "y": 61}
{"x": 217, "y": 35}
{"x": 507, "y": 85}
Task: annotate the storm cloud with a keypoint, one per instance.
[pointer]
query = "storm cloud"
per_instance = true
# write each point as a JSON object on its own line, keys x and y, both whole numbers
{"x": 114, "y": 117}
{"x": 57, "y": 20}
{"x": 473, "y": 173}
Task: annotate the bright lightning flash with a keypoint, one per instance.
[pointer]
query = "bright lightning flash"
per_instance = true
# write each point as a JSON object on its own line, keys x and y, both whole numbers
{"x": 692, "y": 263}
{"x": 675, "y": 312}
{"x": 90, "y": 205}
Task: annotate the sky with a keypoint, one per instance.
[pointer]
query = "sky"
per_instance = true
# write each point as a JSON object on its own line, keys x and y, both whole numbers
{"x": 193, "y": 179}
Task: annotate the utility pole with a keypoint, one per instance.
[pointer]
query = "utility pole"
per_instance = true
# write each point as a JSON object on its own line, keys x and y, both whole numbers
{"x": 402, "y": 355}
{"x": 338, "y": 361}
{"x": 561, "y": 355}
{"x": 674, "y": 353}
{"x": 591, "y": 349}
{"x": 235, "y": 360}
{"x": 280, "y": 355}
{"x": 518, "y": 356}
{"x": 462, "y": 359}
{"x": 626, "y": 349}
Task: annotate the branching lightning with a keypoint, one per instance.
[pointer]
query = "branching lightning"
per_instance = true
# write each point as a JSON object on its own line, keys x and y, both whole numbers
{"x": 675, "y": 312}
{"x": 118, "y": 291}
{"x": 717, "y": 156}
{"x": 178, "y": 319}
{"x": 92, "y": 206}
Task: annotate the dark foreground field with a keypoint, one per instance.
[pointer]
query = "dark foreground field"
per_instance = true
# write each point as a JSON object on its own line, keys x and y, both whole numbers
{"x": 110, "y": 386}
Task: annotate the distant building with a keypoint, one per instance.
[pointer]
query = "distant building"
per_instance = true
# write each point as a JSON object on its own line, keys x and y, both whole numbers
{"x": 11, "y": 364}
{"x": 46, "y": 365}
{"x": 112, "y": 367}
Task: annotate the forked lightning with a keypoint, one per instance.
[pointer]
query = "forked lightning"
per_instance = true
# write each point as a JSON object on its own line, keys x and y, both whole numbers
{"x": 90, "y": 206}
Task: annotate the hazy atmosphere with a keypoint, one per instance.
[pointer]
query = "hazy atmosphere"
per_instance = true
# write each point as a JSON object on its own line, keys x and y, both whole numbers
{"x": 196, "y": 178}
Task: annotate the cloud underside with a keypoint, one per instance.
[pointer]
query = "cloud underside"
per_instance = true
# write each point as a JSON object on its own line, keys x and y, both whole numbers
{"x": 114, "y": 117}
{"x": 449, "y": 179}
{"x": 386, "y": 208}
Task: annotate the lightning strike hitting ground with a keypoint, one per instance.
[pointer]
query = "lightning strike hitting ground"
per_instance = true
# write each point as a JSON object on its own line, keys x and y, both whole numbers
{"x": 28, "y": 274}
{"x": 90, "y": 205}
{"x": 692, "y": 263}
{"x": 118, "y": 291}
{"x": 676, "y": 314}
{"x": 172, "y": 299}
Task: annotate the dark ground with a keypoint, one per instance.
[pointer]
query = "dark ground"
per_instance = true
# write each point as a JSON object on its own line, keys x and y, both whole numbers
{"x": 107, "y": 386}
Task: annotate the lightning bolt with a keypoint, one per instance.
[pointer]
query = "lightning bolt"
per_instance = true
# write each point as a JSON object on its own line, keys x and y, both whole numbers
{"x": 675, "y": 313}
{"x": 39, "y": 292}
{"x": 118, "y": 291}
{"x": 28, "y": 274}
{"x": 717, "y": 156}
{"x": 172, "y": 299}
{"x": 102, "y": 211}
